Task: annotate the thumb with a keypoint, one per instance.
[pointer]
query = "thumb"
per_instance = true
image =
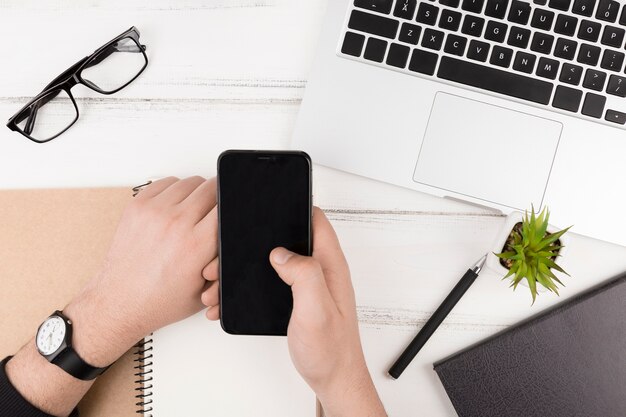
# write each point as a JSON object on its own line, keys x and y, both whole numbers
{"x": 305, "y": 277}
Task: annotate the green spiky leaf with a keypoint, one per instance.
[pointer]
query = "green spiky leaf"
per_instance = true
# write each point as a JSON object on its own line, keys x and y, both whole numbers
{"x": 530, "y": 253}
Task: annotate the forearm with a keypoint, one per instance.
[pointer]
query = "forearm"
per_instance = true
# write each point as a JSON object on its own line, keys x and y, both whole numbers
{"x": 48, "y": 387}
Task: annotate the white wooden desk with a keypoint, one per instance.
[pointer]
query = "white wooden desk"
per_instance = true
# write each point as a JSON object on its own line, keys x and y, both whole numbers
{"x": 231, "y": 74}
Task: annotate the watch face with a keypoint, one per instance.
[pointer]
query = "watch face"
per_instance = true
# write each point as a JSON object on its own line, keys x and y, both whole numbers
{"x": 51, "y": 335}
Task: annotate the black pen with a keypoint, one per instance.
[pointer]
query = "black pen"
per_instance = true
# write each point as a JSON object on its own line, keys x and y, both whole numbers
{"x": 435, "y": 320}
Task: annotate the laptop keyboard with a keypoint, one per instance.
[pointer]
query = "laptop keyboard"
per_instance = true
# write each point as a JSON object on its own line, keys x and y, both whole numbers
{"x": 568, "y": 55}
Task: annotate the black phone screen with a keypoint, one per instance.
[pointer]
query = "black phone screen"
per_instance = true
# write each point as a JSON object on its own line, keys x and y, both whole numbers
{"x": 264, "y": 201}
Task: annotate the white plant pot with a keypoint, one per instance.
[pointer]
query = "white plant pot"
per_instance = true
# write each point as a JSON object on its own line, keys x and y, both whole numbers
{"x": 493, "y": 262}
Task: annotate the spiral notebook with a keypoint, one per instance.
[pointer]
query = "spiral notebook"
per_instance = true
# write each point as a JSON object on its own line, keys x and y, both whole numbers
{"x": 52, "y": 241}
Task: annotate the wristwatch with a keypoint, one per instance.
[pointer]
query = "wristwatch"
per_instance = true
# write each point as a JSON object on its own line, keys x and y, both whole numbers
{"x": 54, "y": 342}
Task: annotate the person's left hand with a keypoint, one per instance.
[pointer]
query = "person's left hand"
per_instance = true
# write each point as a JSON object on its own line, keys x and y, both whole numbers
{"x": 153, "y": 273}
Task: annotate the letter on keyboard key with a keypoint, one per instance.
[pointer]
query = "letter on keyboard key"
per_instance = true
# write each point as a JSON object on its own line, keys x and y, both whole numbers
{"x": 410, "y": 33}
{"x": 423, "y": 62}
{"x": 474, "y": 6}
{"x": 376, "y": 25}
{"x": 473, "y": 25}
{"x": 548, "y": 68}
{"x": 613, "y": 36}
{"x": 382, "y": 6}
{"x": 565, "y": 25}
{"x": 405, "y": 9}
{"x": 588, "y": 54}
{"x": 427, "y": 14}
{"x": 496, "y": 8}
{"x": 542, "y": 19}
{"x": 501, "y": 56}
{"x": 524, "y": 62}
{"x": 589, "y": 31}
{"x": 478, "y": 51}
{"x": 593, "y": 105}
{"x": 520, "y": 12}
{"x": 433, "y": 39}
{"x": 567, "y": 98}
{"x": 495, "y": 80}
{"x": 617, "y": 86}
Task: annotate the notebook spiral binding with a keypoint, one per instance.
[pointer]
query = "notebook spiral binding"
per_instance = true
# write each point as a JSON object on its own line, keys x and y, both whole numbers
{"x": 143, "y": 370}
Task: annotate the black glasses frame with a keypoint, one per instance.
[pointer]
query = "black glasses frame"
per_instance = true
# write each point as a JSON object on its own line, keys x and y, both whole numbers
{"x": 68, "y": 79}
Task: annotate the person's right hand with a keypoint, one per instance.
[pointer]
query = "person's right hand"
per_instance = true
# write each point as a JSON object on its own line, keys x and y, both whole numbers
{"x": 323, "y": 332}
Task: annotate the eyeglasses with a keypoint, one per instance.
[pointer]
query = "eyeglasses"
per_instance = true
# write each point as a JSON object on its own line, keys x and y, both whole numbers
{"x": 109, "y": 69}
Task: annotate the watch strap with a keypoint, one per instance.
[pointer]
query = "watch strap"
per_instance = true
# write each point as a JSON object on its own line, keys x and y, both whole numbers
{"x": 70, "y": 362}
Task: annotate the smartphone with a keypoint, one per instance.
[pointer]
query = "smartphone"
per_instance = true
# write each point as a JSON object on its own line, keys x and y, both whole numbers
{"x": 264, "y": 201}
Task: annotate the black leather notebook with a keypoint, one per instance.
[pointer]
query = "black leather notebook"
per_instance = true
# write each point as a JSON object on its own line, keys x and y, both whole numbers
{"x": 568, "y": 361}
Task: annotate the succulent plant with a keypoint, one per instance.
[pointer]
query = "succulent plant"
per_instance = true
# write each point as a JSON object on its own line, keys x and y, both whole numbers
{"x": 530, "y": 253}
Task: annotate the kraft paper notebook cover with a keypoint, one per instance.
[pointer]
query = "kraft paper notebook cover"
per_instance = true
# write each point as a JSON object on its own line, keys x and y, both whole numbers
{"x": 53, "y": 241}
{"x": 569, "y": 361}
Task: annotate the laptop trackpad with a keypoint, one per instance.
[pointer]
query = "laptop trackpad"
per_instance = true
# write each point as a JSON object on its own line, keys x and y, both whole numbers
{"x": 487, "y": 152}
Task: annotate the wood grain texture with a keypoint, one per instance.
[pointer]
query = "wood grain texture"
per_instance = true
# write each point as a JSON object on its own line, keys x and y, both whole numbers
{"x": 231, "y": 74}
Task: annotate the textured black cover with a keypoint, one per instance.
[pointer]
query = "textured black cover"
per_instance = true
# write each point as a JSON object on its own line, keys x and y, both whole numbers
{"x": 566, "y": 362}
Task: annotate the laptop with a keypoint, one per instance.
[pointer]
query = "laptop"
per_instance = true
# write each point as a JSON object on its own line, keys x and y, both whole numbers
{"x": 502, "y": 103}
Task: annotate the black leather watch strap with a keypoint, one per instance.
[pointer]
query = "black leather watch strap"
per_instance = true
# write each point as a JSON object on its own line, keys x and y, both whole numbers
{"x": 70, "y": 362}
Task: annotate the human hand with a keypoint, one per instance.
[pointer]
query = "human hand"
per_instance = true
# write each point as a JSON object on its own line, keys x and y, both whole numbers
{"x": 323, "y": 333}
{"x": 152, "y": 275}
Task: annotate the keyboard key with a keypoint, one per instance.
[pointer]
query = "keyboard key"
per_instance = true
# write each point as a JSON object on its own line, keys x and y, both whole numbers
{"x": 455, "y": 45}
{"x": 501, "y": 56}
{"x": 542, "y": 19}
{"x": 594, "y": 80}
{"x": 542, "y": 43}
{"x": 567, "y": 98}
{"x": 593, "y": 105}
{"x": 433, "y": 39}
{"x": 565, "y": 25}
{"x": 617, "y": 86}
{"x": 588, "y": 54}
{"x": 584, "y": 7}
{"x": 474, "y": 6}
{"x": 427, "y": 13}
{"x": 382, "y": 6}
{"x": 540, "y": 2}
{"x": 571, "y": 74}
{"x": 405, "y": 9}
{"x": 473, "y": 25}
{"x": 589, "y": 31}
{"x": 612, "y": 60}
{"x": 423, "y": 62}
{"x": 613, "y": 36}
{"x": 376, "y": 25}
{"x": 607, "y": 10}
{"x": 519, "y": 37}
{"x": 524, "y": 62}
{"x": 547, "y": 68}
{"x": 478, "y": 51}
{"x": 495, "y": 31}
{"x": 410, "y": 33}
{"x": 615, "y": 117}
{"x": 560, "y": 4}
{"x": 495, "y": 80}
{"x": 565, "y": 48}
{"x": 398, "y": 55}
{"x": 496, "y": 8}
{"x": 622, "y": 19}
{"x": 352, "y": 44}
{"x": 450, "y": 20}
{"x": 450, "y": 3}
{"x": 520, "y": 12}
{"x": 375, "y": 50}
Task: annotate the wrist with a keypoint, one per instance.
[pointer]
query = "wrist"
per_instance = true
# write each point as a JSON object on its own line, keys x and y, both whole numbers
{"x": 351, "y": 394}
{"x": 100, "y": 335}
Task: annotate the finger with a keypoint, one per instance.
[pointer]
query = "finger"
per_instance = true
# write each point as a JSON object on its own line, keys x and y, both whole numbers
{"x": 156, "y": 188}
{"x": 305, "y": 277}
{"x": 201, "y": 201}
{"x": 213, "y": 313}
{"x": 206, "y": 230}
{"x": 178, "y": 191}
{"x": 211, "y": 272}
{"x": 327, "y": 251}
{"x": 211, "y": 296}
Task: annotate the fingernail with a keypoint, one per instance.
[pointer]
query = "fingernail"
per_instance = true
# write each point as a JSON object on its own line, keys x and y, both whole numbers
{"x": 280, "y": 256}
